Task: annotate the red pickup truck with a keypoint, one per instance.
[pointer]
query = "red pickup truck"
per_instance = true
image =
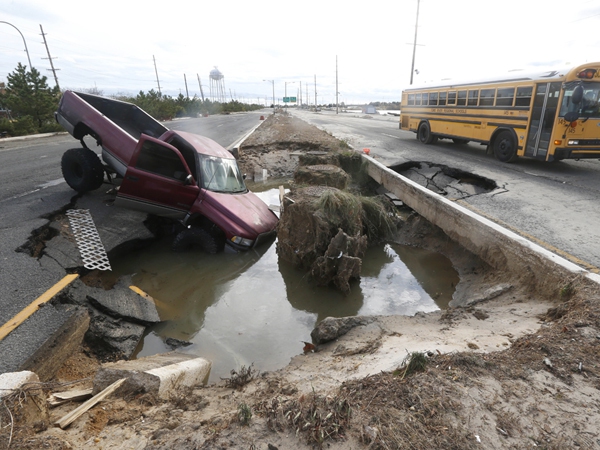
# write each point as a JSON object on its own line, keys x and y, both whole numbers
{"x": 173, "y": 174}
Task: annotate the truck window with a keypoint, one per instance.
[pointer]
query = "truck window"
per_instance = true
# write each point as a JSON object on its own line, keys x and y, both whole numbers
{"x": 221, "y": 175}
{"x": 160, "y": 160}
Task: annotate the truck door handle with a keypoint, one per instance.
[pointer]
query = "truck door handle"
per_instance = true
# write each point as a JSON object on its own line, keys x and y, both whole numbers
{"x": 129, "y": 177}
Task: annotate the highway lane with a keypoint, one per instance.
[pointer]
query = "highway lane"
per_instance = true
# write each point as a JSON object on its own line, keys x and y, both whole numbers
{"x": 30, "y": 164}
{"x": 554, "y": 204}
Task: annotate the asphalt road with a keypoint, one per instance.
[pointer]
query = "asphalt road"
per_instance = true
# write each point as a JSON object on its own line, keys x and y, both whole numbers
{"x": 32, "y": 189}
{"x": 556, "y": 205}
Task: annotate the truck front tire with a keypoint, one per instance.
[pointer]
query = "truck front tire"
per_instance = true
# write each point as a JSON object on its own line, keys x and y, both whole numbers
{"x": 82, "y": 169}
{"x": 199, "y": 236}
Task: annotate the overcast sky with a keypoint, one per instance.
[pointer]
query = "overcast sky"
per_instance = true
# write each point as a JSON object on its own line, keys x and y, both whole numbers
{"x": 110, "y": 45}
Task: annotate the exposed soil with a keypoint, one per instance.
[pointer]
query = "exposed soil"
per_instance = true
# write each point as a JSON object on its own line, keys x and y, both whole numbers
{"x": 513, "y": 370}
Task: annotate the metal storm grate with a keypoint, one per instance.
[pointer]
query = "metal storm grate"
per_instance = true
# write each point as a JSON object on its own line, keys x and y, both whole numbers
{"x": 88, "y": 240}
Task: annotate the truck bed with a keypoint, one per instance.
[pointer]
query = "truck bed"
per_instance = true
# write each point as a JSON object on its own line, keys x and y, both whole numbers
{"x": 129, "y": 117}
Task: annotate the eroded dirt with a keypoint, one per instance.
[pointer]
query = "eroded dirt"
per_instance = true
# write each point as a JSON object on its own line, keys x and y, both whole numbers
{"x": 516, "y": 370}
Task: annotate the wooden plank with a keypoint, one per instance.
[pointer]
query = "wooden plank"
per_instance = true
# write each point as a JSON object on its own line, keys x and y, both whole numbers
{"x": 17, "y": 320}
{"x": 76, "y": 395}
{"x": 76, "y": 413}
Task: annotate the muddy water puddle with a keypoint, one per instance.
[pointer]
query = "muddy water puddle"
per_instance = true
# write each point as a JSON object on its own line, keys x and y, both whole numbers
{"x": 239, "y": 309}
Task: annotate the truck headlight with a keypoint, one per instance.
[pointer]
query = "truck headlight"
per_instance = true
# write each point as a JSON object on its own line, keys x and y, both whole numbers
{"x": 242, "y": 241}
{"x": 573, "y": 142}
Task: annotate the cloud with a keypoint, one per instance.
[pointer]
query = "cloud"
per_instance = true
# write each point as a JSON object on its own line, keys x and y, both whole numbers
{"x": 113, "y": 45}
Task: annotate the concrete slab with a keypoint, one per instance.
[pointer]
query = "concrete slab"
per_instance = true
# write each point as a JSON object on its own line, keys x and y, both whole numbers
{"x": 113, "y": 335}
{"x": 12, "y": 381}
{"x": 162, "y": 375}
{"x": 123, "y": 302}
{"x": 30, "y": 410}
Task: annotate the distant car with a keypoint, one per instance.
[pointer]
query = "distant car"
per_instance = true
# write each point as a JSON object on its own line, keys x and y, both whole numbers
{"x": 174, "y": 174}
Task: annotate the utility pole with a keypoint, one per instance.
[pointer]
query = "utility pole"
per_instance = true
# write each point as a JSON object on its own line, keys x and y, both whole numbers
{"x": 187, "y": 94}
{"x": 300, "y": 94}
{"x": 412, "y": 68}
{"x": 200, "y": 84}
{"x": 157, "y": 81}
{"x": 50, "y": 58}
{"x": 337, "y": 105}
{"x": 307, "y": 97}
{"x": 315, "y": 91}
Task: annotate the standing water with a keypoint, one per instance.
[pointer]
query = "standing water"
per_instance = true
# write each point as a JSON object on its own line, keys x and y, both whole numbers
{"x": 239, "y": 309}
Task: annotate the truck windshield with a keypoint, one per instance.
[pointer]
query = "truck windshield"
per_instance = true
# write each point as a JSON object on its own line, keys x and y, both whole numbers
{"x": 221, "y": 175}
{"x": 588, "y": 107}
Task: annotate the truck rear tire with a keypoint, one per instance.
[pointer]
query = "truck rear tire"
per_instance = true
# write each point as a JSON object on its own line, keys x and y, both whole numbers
{"x": 199, "y": 236}
{"x": 82, "y": 169}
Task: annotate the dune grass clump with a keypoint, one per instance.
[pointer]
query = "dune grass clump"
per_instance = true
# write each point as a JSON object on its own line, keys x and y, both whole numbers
{"x": 341, "y": 210}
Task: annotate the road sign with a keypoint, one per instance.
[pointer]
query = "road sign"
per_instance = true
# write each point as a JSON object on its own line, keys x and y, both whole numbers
{"x": 289, "y": 99}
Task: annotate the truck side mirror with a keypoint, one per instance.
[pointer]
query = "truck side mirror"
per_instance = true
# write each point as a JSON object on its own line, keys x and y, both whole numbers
{"x": 188, "y": 180}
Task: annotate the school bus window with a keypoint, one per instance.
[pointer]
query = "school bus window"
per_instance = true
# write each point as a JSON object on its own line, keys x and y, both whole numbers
{"x": 505, "y": 96}
{"x": 433, "y": 99}
{"x": 442, "y": 99}
{"x": 523, "y": 96}
{"x": 411, "y": 99}
{"x": 425, "y": 98}
{"x": 452, "y": 98}
{"x": 473, "y": 96}
{"x": 486, "y": 97}
{"x": 462, "y": 98}
{"x": 418, "y": 99}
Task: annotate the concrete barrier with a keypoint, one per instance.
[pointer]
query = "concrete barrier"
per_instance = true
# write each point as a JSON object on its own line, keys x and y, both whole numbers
{"x": 163, "y": 374}
{"x": 29, "y": 408}
{"x": 500, "y": 248}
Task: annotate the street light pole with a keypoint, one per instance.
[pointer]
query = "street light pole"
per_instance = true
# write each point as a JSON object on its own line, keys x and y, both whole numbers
{"x": 273, "y": 83}
{"x": 25, "y": 43}
{"x": 412, "y": 67}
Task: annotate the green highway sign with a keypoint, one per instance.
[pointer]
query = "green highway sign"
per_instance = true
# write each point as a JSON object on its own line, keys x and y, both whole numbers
{"x": 289, "y": 99}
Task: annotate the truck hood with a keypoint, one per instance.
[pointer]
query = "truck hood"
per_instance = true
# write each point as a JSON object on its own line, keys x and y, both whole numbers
{"x": 242, "y": 214}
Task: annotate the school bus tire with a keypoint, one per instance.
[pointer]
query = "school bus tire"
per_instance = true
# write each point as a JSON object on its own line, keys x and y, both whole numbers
{"x": 424, "y": 134}
{"x": 505, "y": 146}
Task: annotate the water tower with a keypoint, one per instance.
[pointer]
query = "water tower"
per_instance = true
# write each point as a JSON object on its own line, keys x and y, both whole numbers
{"x": 217, "y": 86}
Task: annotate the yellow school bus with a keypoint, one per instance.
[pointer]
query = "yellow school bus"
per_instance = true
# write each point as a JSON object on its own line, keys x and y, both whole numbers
{"x": 549, "y": 116}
